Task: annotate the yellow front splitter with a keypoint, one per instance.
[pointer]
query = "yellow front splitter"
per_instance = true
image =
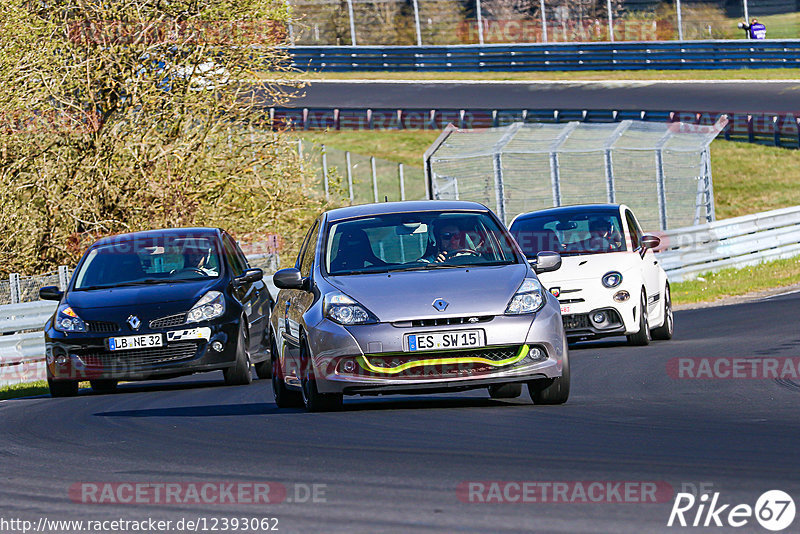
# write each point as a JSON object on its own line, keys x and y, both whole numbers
{"x": 369, "y": 366}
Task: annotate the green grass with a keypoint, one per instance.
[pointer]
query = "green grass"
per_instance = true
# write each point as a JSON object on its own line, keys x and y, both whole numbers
{"x": 731, "y": 282}
{"x": 24, "y": 390}
{"x": 401, "y": 146}
{"x": 785, "y": 26}
{"x": 752, "y": 178}
{"x": 593, "y": 75}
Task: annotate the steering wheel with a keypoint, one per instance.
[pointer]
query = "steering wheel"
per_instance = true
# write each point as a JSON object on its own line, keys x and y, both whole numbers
{"x": 188, "y": 269}
{"x": 463, "y": 251}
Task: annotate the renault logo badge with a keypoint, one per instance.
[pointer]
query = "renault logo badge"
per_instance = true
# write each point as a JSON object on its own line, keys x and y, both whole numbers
{"x": 440, "y": 304}
{"x": 134, "y": 322}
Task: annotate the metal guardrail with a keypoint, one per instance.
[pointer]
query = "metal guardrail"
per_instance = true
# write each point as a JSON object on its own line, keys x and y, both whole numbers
{"x": 768, "y": 129}
{"x": 737, "y": 242}
{"x": 642, "y": 55}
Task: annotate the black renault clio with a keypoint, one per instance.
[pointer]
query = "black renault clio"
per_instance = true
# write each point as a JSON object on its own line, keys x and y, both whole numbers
{"x": 158, "y": 304}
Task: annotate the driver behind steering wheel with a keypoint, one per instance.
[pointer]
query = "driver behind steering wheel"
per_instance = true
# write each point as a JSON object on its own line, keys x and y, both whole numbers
{"x": 197, "y": 260}
{"x": 451, "y": 242}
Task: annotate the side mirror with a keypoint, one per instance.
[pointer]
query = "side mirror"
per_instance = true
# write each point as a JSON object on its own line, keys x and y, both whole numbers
{"x": 50, "y": 293}
{"x": 546, "y": 262}
{"x": 650, "y": 241}
{"x": 250, "y": 275}
{"x": 288, "y": 279}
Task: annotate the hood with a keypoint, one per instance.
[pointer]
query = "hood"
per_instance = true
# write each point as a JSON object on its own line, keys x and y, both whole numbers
{"x": 157, "y": 297}
{"x": 410, "y": 295}
{"x": 590, "y": 267}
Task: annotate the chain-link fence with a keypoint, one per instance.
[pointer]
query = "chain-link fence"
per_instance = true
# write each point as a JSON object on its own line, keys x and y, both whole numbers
{"x": 362, "y": 179}
{"x": 662, "y": 171}
{"x": 18, "y": 288}
{"x": 442, "y": 22}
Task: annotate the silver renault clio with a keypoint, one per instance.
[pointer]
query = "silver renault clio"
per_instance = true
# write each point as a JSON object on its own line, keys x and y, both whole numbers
{"x": 414, "y": 297}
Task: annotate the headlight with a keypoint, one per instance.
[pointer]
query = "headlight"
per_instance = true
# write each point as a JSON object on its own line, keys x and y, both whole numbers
{"x": 529, "y": 298}
{"x": 612, "y": 279}
{"x": 341, "y": 309}
{"x": 210, "y": 306}
{"x": 68, "y": 321}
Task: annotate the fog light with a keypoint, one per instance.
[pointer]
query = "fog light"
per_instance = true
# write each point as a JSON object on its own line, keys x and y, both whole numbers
{"x": 621, "y": 296}
{"x": 536, "y": 353}
{"x": 61, "y": 359}
{"x": 217, "y": 346}
{"x": 599, "y": 317}
{"x": 349, "y": 366}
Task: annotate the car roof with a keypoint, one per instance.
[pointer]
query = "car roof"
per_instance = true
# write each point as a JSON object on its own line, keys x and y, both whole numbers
{"x": 165, "y": 232}
{"x": 568, "y": 210}
{"x": 408, "y": 206}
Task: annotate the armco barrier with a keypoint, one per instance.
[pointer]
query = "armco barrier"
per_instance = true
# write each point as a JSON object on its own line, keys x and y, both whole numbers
{"x": 767, "y": 129}
{"x": 642, "y": 55}
{"x": 737, "y": 242}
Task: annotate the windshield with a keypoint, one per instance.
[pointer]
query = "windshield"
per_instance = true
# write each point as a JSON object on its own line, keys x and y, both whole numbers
{"x": 149, "y": 261}
{"x": 419, "y": 240}
{"x": 572, "y": 233}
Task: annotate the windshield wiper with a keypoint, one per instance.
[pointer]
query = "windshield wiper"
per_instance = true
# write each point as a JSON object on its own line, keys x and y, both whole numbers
{"x": 146, "y": 281}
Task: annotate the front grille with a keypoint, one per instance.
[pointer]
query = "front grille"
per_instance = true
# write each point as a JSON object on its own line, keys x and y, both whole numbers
{"x": 102, "y": 326}
{"x": 573, "y": 322}
{"x": 169, "y": 321}
{"x": 445, "y": 321}
{"x": 494, "y": 354}
{"x": 140, "y": 357}
{"x": 569, "y": 301}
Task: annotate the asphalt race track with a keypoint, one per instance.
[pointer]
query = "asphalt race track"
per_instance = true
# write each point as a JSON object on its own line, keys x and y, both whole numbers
{"x": 393, "y": 464}
{"x": 716, "y": 96}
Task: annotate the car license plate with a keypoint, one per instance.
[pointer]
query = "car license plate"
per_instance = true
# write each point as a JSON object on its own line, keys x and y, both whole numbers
{"x": 145, "y": 341}
{"x": 566, "y": 308}
{"x": 457, "y": 339}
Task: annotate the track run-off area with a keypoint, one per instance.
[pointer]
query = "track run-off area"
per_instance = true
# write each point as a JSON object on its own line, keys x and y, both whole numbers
{"x": 405, "y": 464}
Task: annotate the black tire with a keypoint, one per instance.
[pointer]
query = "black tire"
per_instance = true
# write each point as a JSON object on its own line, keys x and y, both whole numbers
{"x": 239, "y": 374}
{"x": 505, "y": 391}
{"x": 104, "y": 386}
{"x": 264, "y": 369}
{"x": 552, "y": 390}
{"x": 642, "y": 337}
{"x": 665, "y": 331}
{"x": 284, "y": 397}
{"x": 62, "y": 388}
{"x": 313, "y": 400}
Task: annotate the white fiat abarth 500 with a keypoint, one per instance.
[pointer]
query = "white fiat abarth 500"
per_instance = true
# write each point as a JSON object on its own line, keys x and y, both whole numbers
{"x": 610, "y": 282}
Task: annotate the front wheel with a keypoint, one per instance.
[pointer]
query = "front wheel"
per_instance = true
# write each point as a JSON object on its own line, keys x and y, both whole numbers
{"x": 313, "y": 400}
{"x": 552, "y": 390}
{"x": 239, "y": 374}
{"x": 665, "y": 330}
{"x": 642, "y": 337}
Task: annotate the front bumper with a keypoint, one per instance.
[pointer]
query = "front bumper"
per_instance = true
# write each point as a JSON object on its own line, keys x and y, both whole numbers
{"x": 579, "y": 308}
{"x": 86, "y": 356}
{"x": 372, "y": 359}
